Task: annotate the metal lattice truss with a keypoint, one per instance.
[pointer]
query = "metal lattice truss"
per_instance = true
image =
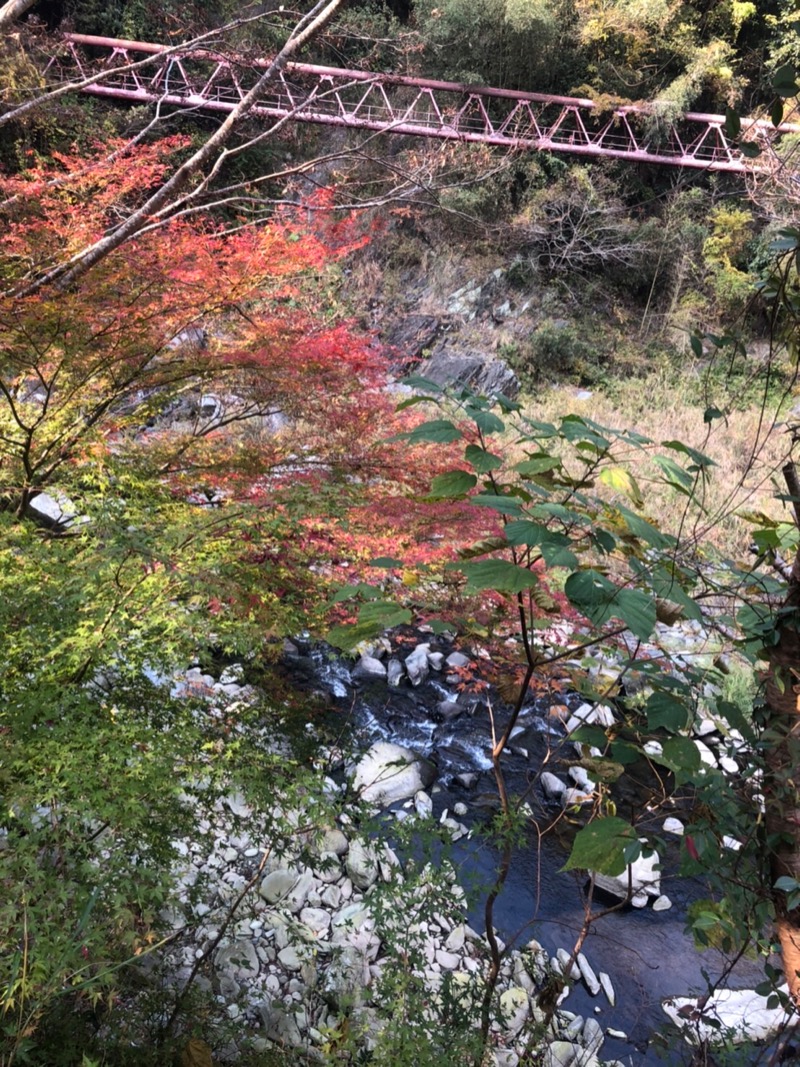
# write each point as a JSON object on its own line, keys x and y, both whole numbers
{"x": 211, "y": 81}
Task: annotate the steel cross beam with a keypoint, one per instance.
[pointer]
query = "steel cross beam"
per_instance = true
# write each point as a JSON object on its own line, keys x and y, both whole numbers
{"x": 210, "y": 80}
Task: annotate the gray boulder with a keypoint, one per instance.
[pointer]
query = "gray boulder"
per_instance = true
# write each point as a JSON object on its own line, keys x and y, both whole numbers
{"x": 464, "y": 369}
{"x": 387, "y": 773}
{"x": 56, "y": 510}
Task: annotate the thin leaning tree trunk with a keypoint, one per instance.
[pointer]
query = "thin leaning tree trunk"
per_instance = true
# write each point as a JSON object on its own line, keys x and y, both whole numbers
{"x": 12, "y": 10}
{"x": 782, "y": 693}
{"x": 66, "y": 274}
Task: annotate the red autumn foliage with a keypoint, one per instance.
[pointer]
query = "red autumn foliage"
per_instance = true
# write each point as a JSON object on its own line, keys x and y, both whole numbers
{"x": 184, "y": 310}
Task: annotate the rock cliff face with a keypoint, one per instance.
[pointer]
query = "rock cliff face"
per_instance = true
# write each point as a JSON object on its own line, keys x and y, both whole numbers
{"x": 432, "y": 346}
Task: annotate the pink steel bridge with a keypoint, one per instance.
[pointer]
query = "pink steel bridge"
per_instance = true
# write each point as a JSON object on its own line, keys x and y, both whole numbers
{"x": 209, "y": 80}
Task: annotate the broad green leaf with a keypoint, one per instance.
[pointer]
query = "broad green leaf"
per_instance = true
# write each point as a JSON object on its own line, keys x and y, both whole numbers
{"x": 555, "y": 547}
{"x": 488, "y": 422}
{"x": 497, "y": 574}
{"x": 506, "y": 505}
{"x": 452, "y": 484}
{"x": 386, "y": 561}
{"x": 621, "y": 481}
{"x": 412, "y": 401}
{"x": 600, "y": 600}
{"x": 603, "y": 540}
{"x": 541, "y": 429}
{"x": 417, "y": 381}
{"x": 594, "y": 736}
{"x": 558, "y": 555}
{"x": 624, "y": 752}
{"x": 576, "y": 429}
{"x": 732, "y": 714}
{"x": 606, "y": 845}
{"x": 776, "y": 114}
{"x": 784, "y": 76}
{"x": 558, "y": 511}
{"x": 666, "y": 712}
{"x": 373, "y": 619}
{"x": 506, "y": 404}
{"x": 675, "y": 475}
{"x": 437, "y": 431}
{"x": 697, "y": 345}
{"x": 712, "y": 413}
{"x": 362, "y": 589}
{"x": 480, "y": 548}
{"x": 481, "y": 460}
{"x": 537, "y": 465}
{"x": 526, "y": 532}
{"x": 700, "y": 458}
{"x": 733, "y": 124}
{"x": 749, "y": 149}
{"x": 681, "y": 756}
{"x": 643, "y": 529}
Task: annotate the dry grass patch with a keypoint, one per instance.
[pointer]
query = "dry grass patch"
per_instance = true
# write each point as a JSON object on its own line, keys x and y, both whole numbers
{"x": 748, "y": 448}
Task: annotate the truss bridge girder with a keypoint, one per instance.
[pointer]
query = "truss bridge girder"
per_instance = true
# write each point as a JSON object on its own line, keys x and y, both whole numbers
{"x": 209, "y": 80}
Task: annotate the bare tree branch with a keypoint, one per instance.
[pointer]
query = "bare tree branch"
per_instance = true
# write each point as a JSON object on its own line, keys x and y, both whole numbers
{"x": 66, "y": 274}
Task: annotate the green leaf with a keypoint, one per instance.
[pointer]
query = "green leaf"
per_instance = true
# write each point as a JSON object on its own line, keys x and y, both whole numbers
{"x": 750, "y": 150}
{"x": 712, "y": 413}
{"x": 526, "y": 532}
{"x": 697, "y": 345}
{"x": 600, "y": 600}
{"x": 537, "y": 465}
{"x": 776, "y": 113}
{"x": 733, "y": 124}
{"x": 412, "y": 401}
{"x": 507, "y": 405}
{"x": 437, "y": 431}
{"x": 417, "y": 381}
{"x": 643, "y": 529}
{"x": 496, "y": 574}
{"x": 624, "y": 752}
{"x": 603, "y": 540}
{"x": 786, "y": 241}
{"x": 681, "y": 756}
{"x": 361, "y": 589}
{"x": 666, "y": 712}
{"x": 506, "y": 505}
{"x": 575, "y": 429}
{"x": 386, "y": 561}
{"x": 594, "y": 736}
{"x": 452, "y": 484}
{"x": 786, "y": 884}
{"x": 488, "y": 422}
{"x": 700, "y": 458}
{"x": 605, "y": 845}
{"x": 784, "y": 81}
{"x": 732, "y": 714}
{"x": 373, "y": 619}
{"x": 674, "y": 475}
{"x": 481, "y": 460}
{"x": 784, "y": 76}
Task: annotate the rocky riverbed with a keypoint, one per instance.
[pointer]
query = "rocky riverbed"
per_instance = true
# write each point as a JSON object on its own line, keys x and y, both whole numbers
{"x": 326, "y": 927}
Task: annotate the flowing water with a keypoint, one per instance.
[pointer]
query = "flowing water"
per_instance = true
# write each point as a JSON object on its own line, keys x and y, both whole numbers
{"x": 647, "y": 954}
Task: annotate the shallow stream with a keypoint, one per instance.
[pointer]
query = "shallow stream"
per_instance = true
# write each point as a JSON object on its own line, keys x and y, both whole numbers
{"x": 646, "y": 953}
